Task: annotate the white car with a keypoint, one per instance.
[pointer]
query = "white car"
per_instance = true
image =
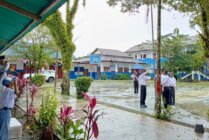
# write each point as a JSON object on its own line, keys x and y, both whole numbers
{"x": 49, "y": 75}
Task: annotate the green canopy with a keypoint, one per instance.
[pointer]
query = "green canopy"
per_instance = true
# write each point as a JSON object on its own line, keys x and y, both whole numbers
{"x": 18, "y": 17}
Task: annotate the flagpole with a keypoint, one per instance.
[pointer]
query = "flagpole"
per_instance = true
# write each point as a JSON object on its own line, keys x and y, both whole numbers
{"x": 153, "y": 47}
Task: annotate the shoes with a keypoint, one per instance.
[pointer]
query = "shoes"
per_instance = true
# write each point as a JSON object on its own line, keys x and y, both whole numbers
{"x": 143, "y": 106}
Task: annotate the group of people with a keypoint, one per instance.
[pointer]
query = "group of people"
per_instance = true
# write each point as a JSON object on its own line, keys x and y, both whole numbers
{"x": 168, "y": 85}
{"x": 8, "y": 91}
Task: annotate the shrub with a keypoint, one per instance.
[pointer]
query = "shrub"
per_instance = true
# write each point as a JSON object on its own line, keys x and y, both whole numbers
{"x": 120, "y": 77}
{"x": 47, "y": 112}
{"x": 103, "y": 77}
{"x": 38, "y": 80}
{"x": 82, "y": 85}
{"x": 67, "y": 128}
{"x": 165, "y": 114}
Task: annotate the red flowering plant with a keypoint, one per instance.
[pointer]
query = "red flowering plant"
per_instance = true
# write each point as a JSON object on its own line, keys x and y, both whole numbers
{"x": 68, "y": 127}
{"x": 91, "y": 126}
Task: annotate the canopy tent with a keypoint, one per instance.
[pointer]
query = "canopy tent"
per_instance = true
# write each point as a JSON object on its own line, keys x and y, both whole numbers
{"x": 137, "y": 67}
{"x": 18, "y": 17}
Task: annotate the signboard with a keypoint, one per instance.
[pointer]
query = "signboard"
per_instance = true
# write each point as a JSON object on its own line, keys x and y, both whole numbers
{"x": 95, "y": 59}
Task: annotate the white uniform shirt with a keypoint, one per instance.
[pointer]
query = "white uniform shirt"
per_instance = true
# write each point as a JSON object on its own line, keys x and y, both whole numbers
{"x": 142, "y": 79}
{"x": 7, "y": 98}
{"x": 172, "y": 81}
{"x": 164, "y": 80}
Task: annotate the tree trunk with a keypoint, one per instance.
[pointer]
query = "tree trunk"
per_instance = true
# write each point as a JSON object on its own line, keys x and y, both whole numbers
{"x": 205, "y": 31}
{"x": 158, "y": 97}
{"x": 58, "y": 30}
{"x": 65, "y": 82}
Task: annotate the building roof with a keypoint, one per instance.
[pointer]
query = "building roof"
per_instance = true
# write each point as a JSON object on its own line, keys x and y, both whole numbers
{"x": 145, "y": 46}
{"x": 18, "y": 17}
{"x": 108, "y": 55}
{"x": 110, "y": 52}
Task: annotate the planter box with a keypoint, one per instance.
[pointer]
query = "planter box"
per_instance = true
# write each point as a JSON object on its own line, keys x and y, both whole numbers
{"x": 15, "y": 129}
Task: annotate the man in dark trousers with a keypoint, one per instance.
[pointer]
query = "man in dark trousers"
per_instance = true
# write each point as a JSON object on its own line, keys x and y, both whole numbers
{"x": 142, "y": 81}
{"x": 136, "y": 83}
{"x": 165, "y": 88}
{"x": 172, "y": 86}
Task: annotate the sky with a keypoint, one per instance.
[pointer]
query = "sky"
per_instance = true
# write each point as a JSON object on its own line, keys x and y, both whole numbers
{"x": 100, "y": 26}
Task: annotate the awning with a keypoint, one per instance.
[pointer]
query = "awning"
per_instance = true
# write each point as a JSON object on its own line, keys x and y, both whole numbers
{"x": 151, "y": 61}
{"x": 18, "y": 17}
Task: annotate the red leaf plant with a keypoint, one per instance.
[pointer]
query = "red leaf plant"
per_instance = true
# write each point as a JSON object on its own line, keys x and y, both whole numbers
{"x": 65, "y": 118}
{"x": 31, "y": 111}
{"x": 66, "y": 114}
{"x": 91, "y": 127}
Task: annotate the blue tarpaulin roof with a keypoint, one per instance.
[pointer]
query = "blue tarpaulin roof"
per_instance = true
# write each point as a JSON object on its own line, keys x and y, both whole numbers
{"x": 137, "y": 67}
{"x": 151, "y": 61}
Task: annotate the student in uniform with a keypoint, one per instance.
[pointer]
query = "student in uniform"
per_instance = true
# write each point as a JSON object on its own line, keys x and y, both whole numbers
{"x": 165, "y": 88}
{"x": 142, "y": 82}
{"x": 136, "y": 83}
{"x": 172, "y": 86}
{"x": 7, "y": 98}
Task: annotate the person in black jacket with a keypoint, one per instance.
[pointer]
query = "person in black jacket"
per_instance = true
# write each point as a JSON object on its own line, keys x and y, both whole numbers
{"x": 135, "y": 76}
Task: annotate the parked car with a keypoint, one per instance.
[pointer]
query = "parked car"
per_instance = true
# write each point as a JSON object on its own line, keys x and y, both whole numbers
{"x": 49, "y": 75}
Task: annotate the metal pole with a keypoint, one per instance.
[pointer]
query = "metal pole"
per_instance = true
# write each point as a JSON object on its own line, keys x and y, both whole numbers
{"x": 56, "y": 71}
{"x": 153, "y": 46}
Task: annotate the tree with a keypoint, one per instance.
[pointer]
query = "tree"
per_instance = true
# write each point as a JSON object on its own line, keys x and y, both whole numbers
{"x": 183, "y": 52}
{"x": 62, "y": 33}
{"x": 198, "y": 10}
{"x": 37, "y": 47}
{"x": 133, "y": 6}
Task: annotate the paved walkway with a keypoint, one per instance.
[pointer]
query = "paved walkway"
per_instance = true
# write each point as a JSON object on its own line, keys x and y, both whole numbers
{"x": 122, "y": 125}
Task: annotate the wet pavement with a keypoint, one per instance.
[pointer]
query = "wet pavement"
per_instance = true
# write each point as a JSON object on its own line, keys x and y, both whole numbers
{"x": 123, "y": 119}
{"x": 192, "y": 99}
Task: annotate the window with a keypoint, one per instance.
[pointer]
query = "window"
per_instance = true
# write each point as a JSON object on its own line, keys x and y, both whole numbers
{"x": 144, "y": 56}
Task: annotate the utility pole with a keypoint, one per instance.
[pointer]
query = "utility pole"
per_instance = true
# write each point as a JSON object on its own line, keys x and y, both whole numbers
{"x": 56, "y": 72}
{"x": 153, "y": 48}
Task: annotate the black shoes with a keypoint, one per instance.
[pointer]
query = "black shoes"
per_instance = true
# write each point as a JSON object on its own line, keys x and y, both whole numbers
{"x": 143, "y": 106}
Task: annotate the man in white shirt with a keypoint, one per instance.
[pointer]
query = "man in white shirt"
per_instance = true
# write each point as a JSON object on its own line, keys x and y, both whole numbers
{"x": 165, "y": 88}
{"x": 142, "y": 82}
{"x": 172, "y": 86}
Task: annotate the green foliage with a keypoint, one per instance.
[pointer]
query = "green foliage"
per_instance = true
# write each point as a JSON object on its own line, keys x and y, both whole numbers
{"x": 165, "y": 114}
{"x": 36, "y": 46}
{"x": 48, "y": 111}
{"x": 121, "y": 77}
{"x": 103, "y": 77}
{"x": 38, "y": 80}
{"x": 82, "y": 85}
{"x": 198, "y": 11}
{"x": 182, "y": 51}
{"x": 72, "y": 131}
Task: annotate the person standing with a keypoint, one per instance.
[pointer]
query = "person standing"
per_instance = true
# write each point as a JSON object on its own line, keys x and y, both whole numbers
{"x": 143, "y": 89}
{"x": 172, "y": 86}
{"x": 165, "y": 88}
{"x": 136, "y": 83}
{"x": 7, "y": 100}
